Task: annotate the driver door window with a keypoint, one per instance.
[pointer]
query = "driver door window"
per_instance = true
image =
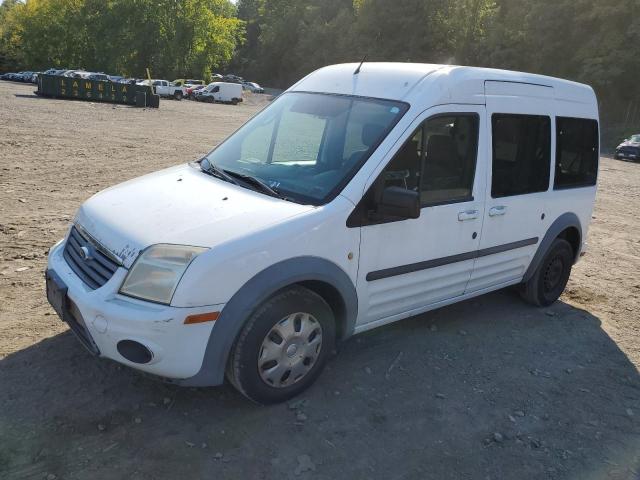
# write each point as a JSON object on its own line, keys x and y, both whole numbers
{"x": 438, "y": 160}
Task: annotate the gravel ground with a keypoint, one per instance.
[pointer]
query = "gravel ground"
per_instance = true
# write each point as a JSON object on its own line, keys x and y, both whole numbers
{"x": 486, "y": 389}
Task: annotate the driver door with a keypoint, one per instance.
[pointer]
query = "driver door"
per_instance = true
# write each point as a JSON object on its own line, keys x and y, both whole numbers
{"x": 408, "y": 265}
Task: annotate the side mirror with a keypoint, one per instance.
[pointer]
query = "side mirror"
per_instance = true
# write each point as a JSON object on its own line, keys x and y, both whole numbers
{"x": 399, "y": 202}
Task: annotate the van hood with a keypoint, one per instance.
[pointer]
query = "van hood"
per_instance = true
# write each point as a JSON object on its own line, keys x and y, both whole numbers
{"x": 180, "y": 205}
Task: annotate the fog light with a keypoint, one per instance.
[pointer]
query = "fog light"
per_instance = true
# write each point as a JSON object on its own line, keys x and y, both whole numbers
{"x": 134, "y": 351}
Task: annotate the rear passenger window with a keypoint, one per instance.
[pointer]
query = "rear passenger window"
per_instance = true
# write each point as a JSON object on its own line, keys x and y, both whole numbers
{"x": 576, "y": 153}
{"x": 521, "y": 154}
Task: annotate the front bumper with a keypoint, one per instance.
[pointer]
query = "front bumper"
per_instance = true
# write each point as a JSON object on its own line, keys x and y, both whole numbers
{"x": 628, "y": 153}
{"x": 102, "y": 318}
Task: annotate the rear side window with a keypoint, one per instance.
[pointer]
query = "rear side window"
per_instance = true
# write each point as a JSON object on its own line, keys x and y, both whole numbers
{"x": 576, "y": 153}
{"x": 521, "y": 154}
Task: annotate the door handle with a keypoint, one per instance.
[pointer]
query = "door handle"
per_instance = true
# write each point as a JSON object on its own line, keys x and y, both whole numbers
{"x": 467, "y": 215}
{"x": 497, "y": 211}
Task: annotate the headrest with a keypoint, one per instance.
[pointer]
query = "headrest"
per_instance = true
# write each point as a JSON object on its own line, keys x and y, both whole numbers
{"x": 440, "y": 147}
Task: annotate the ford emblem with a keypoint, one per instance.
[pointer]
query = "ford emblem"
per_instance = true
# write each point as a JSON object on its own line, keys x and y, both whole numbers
{"x": 85, "y": 253}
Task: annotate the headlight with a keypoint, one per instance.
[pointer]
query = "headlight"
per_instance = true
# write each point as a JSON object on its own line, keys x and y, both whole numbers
{"x": 156, "y": 272}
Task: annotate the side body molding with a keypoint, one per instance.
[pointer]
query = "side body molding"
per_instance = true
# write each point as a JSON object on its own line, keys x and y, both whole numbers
{"x": 240, "y": 307}
{"x": 561, "y": 223}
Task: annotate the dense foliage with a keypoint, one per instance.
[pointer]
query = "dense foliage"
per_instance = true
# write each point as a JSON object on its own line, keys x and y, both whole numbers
{"x": 278, "y": 41}
{"x": 172, "y": 37}
{"x": 591, "y": 41}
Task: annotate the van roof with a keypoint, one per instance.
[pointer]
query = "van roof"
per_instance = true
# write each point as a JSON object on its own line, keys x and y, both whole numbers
{"x": 445, "y": 83}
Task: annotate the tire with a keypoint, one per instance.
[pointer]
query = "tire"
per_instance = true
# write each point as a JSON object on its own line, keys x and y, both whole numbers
{"x": 177, "y": 95}
{"x": 551, "y": 277}
{"x": 234, "y": 101}
{"x": 286, "y": 316}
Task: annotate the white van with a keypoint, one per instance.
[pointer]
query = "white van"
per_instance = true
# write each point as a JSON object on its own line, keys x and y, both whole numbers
{"x": 361, "y": 196}
{"x": 221, "y": 92}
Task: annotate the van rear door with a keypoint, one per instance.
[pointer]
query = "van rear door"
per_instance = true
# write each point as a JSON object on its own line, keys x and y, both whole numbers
{"x": 520, "y": 120}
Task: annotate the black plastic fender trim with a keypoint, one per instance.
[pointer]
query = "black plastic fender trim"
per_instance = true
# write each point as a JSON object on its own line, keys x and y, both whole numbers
{"x": 561, "y": 223}
{"x": 253, "y": 293}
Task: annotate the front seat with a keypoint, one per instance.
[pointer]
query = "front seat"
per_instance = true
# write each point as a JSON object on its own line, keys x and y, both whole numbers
{"x": 442, "y": 164}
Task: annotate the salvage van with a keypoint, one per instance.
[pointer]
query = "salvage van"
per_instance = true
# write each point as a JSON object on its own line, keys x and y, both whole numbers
{"x": 363, "y": 195}
{"x": 221, "y": 92}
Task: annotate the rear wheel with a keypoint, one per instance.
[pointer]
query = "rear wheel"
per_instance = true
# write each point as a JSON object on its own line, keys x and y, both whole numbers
{"x": 177, "y": 95}
{"x": 234, "y": 101}
{"x": 551, "y": 277}
{"x": 283, "y": 347}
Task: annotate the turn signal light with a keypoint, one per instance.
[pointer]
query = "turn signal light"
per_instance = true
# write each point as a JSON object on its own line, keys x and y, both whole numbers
{"x": 201, "y": 318}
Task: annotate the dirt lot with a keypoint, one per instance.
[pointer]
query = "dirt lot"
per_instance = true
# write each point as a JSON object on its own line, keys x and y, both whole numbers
{"x": 489, "y": 389}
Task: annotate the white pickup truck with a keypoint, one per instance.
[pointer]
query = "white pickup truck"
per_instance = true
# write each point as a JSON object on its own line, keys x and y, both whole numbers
{"x": 165, "y": 88}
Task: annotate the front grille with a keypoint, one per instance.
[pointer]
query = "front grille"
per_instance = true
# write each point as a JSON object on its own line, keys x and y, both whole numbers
{"x": 629, "y": 149}
{"x": 87, "y": 261}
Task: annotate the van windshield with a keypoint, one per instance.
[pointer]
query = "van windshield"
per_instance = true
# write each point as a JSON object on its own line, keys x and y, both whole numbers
{"x": 307, "y": 146}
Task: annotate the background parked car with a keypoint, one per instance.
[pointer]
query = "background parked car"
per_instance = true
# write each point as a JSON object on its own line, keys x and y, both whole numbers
{"x": 630, "y": 148}
{"x": 252, "y": 87}
{"x": 167, "y": 89}
{"x": 229, "y": 78}
{"x": 223, "y": 92}
{"x": 98, "y": 76}
{"x": 193, "y": 91}
{"x": 182, "y": 82}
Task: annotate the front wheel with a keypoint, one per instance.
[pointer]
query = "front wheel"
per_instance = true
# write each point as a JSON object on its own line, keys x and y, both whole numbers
{"x": 283, "y": 347}
{"x": 551, "y": 277}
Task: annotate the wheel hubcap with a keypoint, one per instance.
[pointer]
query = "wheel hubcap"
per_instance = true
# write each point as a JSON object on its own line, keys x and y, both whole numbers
{"x": 553, "y": 274}
{"x": 290, "y": 350}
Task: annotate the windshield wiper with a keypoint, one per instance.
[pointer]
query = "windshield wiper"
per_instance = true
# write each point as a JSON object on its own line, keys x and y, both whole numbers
{"x": 208, "y": 167}
{"x": 258, "y": 183}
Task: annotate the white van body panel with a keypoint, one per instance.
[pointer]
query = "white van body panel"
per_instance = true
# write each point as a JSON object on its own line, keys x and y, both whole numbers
{"x": 179, "y": 206}
{"x": 248, "y": 232}
{"x": 438, "y": 233}
{"x": 225, "y": 92}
